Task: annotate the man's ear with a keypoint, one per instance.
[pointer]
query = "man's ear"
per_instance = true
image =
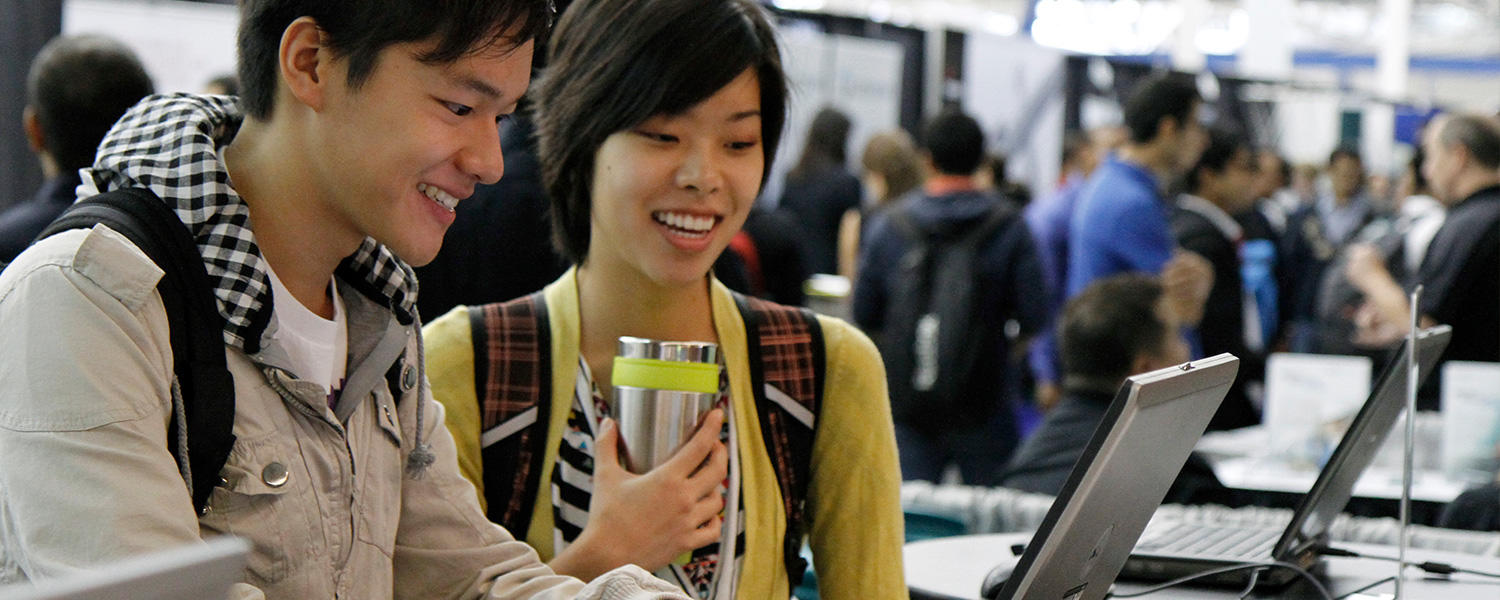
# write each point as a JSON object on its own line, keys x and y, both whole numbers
{"x": 1460, "y": 156}
{"x": 33, "y": 127}
{"x": 305, "y": 62}
{"x": 1142, "y": 363}
{"x": 1166, "y": 128}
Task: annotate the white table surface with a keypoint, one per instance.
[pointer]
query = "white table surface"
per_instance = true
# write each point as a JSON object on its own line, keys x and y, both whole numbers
{"x": 955, "y": 567}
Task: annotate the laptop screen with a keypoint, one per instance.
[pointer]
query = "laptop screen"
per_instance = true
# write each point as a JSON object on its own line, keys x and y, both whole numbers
{"x": 1123, "y": 474}
{"x": 194, "y": 572}
{"x": 1357, "y": 449}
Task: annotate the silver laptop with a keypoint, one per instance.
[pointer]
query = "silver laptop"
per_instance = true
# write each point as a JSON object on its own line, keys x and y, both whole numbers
{"x": 1175, "y": 549}
{"x": 193, "y": 572}
{"x": 1122, "y": 476}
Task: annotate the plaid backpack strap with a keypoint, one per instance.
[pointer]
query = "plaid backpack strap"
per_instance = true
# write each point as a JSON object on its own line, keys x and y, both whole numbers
{"x": 512, "y": 380}
{"x": 788, "y": 381}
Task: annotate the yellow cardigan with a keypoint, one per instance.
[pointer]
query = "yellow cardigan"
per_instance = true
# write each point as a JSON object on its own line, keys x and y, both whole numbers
{"x": 853, "y": 499}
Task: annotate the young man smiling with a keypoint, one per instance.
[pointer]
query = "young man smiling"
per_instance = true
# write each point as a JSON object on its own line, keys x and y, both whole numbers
{"x": 362, "y": 126}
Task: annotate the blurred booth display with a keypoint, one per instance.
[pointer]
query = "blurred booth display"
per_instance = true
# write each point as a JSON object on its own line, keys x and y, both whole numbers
{"x": 1471, "y": 420}
{"x": 861, "y": 77}
{"x": 1014, "y": 88}
{"x": 1309, "y": 401}
{"x": 182, "y": 44}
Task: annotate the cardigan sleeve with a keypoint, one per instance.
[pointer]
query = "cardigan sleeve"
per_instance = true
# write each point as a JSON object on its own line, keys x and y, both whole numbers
{"x": 854, "y": 497}
{"x": 450, "y": 372}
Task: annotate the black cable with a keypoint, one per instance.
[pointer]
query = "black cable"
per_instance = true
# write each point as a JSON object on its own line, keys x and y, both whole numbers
{"x": 1250, "y": 586}
{"x": 1435, "y": 568}
{"x": 1258, "y": 566}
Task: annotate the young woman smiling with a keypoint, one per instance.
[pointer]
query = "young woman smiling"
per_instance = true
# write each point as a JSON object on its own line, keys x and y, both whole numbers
{"x": 657, "y": 122}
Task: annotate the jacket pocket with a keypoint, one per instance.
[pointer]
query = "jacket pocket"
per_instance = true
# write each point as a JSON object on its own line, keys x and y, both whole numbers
{"x": 254, "y": 500}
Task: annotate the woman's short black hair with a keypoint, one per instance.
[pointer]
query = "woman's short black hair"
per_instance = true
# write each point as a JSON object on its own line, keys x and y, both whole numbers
{"x": 612, "y": 64}
{"x": 358, "y": 31}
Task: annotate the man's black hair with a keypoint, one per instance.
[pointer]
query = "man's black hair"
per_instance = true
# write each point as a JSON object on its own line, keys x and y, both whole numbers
{"x": 79, "y": 86}
{"x": 1223, "y": 144}
{"x": 358, "y": 31}
{"x": 955, "y": 143}
{"x": 1169, "y": 95}
{"x": 1109, "y": 324}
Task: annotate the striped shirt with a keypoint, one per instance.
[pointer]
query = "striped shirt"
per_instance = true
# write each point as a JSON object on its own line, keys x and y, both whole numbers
{"x": 701, "y": 573}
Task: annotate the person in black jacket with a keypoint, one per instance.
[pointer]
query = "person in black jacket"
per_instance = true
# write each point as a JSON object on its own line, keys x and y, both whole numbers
{"x": 1314, "y": 236}
{"x": 1221, "y": 185}
{"x": 1460, "y": 272}
{"x": 970, "y": 418}
{"x": 78, "y": 86}
{"x": 820, "y": 189}
{"x": 1116, "y": 327}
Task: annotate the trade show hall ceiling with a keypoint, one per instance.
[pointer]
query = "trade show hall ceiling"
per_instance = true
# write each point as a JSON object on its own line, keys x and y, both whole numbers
{"x": 1437, "y": 27}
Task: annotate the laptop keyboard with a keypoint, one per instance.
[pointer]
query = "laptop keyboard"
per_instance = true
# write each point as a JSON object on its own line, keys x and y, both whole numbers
{"x": 1208, "y": 541}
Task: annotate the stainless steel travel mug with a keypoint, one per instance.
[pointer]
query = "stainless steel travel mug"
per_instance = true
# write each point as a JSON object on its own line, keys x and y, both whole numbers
{"x": 662, "y": 390}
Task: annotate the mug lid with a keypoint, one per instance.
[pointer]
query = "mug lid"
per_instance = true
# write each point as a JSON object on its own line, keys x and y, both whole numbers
{"x": 637, "y": 347}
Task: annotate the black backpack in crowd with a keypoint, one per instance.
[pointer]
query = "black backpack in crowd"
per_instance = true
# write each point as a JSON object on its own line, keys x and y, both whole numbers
{"x": 932, "y": 334}
{"x": 198, "y": 360}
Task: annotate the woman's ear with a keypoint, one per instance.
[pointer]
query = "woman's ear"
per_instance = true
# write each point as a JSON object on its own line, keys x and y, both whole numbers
{"x": 304, "y": 62}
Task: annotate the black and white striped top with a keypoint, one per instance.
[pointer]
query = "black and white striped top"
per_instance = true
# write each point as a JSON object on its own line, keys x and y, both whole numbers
{"x": 702, "y": 574}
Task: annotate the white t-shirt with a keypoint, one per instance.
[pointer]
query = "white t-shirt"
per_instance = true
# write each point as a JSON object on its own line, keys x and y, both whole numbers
{"x": 318, "y": 347}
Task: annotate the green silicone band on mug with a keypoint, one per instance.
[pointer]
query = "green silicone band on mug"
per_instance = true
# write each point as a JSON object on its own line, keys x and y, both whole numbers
{"x": 656, "y": 374}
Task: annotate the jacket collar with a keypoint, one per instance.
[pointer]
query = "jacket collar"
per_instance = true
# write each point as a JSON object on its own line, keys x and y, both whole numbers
{"x": 1215, "y": 215}
{"x": 170, "y": 145}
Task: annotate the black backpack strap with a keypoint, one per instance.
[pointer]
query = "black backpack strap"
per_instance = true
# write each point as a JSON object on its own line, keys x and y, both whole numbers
{"x": 198, "y": 359}
{"x": 786, "y": 372}
{"x": 514, "y": 389}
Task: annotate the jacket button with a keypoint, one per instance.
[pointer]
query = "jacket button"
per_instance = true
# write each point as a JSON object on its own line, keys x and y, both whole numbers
{"x": 408, "y": 378}
{"x": 275, "y": 474}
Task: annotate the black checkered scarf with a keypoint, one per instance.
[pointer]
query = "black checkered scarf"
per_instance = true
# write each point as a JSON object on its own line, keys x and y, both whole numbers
{"x": 169, "y": 144}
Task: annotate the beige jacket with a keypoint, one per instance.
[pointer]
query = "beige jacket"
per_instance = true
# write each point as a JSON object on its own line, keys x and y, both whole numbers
{"x": 325, "y": 499}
